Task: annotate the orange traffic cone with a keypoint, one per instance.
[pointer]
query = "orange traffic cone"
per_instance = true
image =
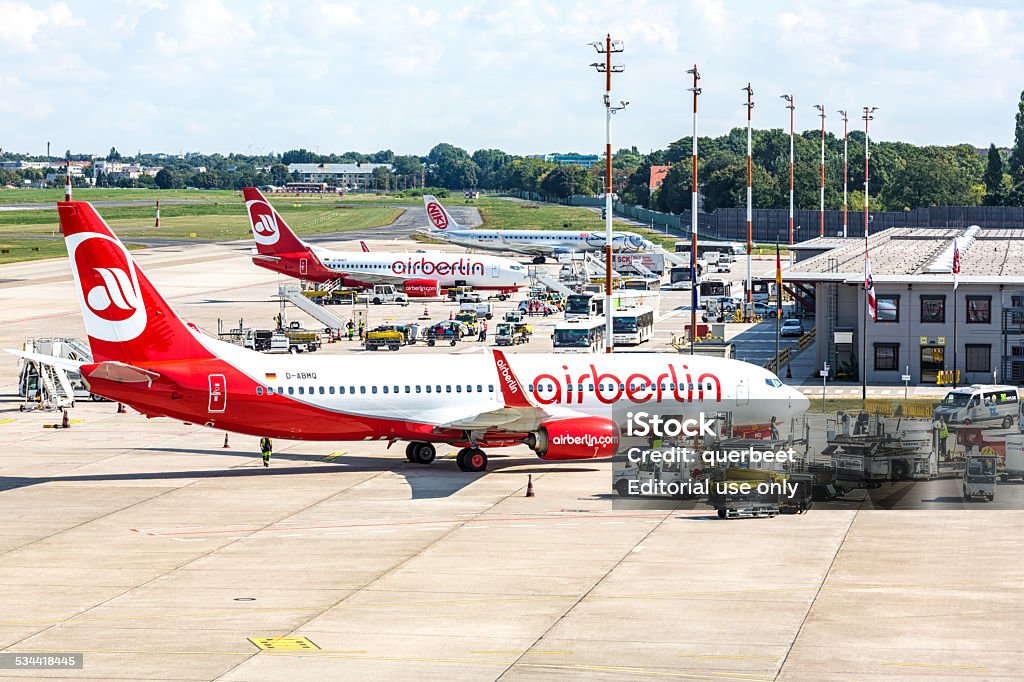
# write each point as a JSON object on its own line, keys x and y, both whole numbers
{"x": 65, "y": 423}
{"x": 226, "y": 440}
{"x": 529, "y": 487}
{"x": 789, "y": 371}
{"x": 451, "y": 315}
{"x": 120, "y": 408}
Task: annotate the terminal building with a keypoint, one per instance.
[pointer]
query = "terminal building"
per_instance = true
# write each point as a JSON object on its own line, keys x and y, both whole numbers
{"x": 348, "y": 175}
{"x": 923, "y": 326}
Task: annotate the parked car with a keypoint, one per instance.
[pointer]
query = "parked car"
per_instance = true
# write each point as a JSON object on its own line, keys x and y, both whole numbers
{"x": 792, "y": 327}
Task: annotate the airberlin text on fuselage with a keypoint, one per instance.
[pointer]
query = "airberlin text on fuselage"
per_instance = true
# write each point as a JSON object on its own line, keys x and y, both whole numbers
{"x": 462, "y": 266}
{"x": 637, "y": 387}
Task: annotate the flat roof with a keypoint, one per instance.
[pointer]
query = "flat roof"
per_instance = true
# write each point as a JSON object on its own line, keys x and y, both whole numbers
{"x": 904, "y": 254}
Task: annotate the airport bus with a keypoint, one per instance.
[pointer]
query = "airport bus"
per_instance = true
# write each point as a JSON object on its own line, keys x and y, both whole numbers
{"x": 632, "y": 325}
{"x": 584, "y": 305}
{"x": 579, "y": 335}
{"x": 715, "y": 288}
{"x": 762, "y": 289}
{"x": 703, "y": 247}
{"x": 640, "y": 284}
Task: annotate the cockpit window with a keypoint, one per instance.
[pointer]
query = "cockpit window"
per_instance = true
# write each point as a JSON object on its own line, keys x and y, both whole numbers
{"x": 773, "y": 382}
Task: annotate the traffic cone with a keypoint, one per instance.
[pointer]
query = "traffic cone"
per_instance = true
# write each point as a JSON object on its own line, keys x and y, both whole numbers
{"x": 529, "y": 486}
{"x": 226, "y": 440}
{"x": 120, "y": 408}
{"x": 65, "y": 423}
{"x": 426, "y": 313}
{"x": 451, "y": 315}
{"x": 789, "y": 371}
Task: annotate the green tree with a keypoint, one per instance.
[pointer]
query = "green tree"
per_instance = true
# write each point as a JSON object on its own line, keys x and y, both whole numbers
{"x": 299, "y": 156}
{"x": 383, "y": 178}
{"x": 278, "y": 174}
{"x": 407, "y": 165}
{"x": 165, "y": 179}
{"x": 1017, "y": 155}
{"x": 931, "y": 177}
{"x": 994, "y": 177}
{"x": 565, "y": 181}
{"x": 489, "y": 162}
{"x": 727, "y": 187}
{"x": 524, "y": 174}
{"x": 113, "y": 155}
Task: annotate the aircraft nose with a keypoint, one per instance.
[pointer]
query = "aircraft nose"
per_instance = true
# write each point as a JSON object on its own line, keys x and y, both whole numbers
{"x": 799, "y": 403}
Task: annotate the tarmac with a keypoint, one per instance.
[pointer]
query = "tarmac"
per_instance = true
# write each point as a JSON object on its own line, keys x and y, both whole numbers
{"x": 160, "y": 554}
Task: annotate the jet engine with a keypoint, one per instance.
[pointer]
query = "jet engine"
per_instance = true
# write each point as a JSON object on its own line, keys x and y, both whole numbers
{"x": 575, "y": 438}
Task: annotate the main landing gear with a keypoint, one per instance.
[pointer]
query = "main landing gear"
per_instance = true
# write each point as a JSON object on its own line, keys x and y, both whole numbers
{"x": 469, "y": 459}
{"x": 539, "y": 260}
{"x": 420, "y": 453}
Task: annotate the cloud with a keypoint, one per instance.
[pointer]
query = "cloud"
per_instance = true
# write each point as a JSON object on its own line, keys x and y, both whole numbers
{"x": 20, "y": 23}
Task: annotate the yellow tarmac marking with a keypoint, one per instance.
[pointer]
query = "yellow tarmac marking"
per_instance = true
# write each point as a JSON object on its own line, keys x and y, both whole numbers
{"x": 328, "y": 458}
{"x": 929, "y": 665}
{"x": 283, "y": 643}
{"x": 6, "y": 421}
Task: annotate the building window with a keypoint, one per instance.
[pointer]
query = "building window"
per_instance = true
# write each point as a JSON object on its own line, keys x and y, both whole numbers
{"x": 933, "y": 309}
{"x": 887, "y": 357}
{"x": 887, "y": 308}
{"x": 979, "y": 310}
{"x": 979, "y": 358}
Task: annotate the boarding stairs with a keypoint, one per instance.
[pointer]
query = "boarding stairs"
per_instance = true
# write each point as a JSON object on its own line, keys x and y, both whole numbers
{"x": 292, "y": 293}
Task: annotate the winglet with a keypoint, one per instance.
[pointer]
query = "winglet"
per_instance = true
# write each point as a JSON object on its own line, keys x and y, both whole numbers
{"x": 512, "y": 390}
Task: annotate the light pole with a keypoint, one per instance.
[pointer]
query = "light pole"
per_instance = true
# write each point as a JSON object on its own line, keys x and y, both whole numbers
{"x": 791, "y": 106}
{"x": 845, "y": 167}
{"x": 821, "y": 218}
{"x": 694, "y": 280}
{"x": 607, "y": 48}
{"x": 868, "y": 111}
{"x": 749, "y": 309}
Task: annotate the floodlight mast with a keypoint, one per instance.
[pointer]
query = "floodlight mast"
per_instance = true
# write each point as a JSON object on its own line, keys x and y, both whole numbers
{"x": 792, "y": 107}
{"x": 821, "y": 215}
{"x": 749, "y": 310}
{"x": 608, "y": 47}
{"x": 845, "y": 170}
{"x": 694, "y": 279}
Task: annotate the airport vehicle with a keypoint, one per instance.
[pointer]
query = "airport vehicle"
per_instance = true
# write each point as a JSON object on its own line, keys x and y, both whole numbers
{"x": 679, "y": 276}
{"x": 979, "y": 403}
{"x": 715, "y": 288}
{"x": 724, "y": 262}
{"x": 446, "y": 331}
{"x": 485, "y": 310}
{"x": 541, "y": 244}
{"x": 705, "y": 247}
{"x": 512, "y": 333}
{"x": 632, "y": 325}
{"x": 389, "y": 336}
{"x": 584, "y": 305}
{"x": 579, "y": 335}
{"x": 980, "y": 478}
{"x": 1013, "y": 458}
{"x": 420, "y": 275}
{"x": 382, "y": 293}
{"x": 867, "y": 450}
{"x": 469, "y": 321}
{"x": 792, "y": 327}
{"x": 146, "y": 356}
{"x": 639, "y": 263}
{"x": 332, "y": 296}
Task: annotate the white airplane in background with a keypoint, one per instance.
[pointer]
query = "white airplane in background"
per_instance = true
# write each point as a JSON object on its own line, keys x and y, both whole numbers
{"x": 422, "y": 274}
{"x": 146, "y": 356}
{"x": 537, "y": 243}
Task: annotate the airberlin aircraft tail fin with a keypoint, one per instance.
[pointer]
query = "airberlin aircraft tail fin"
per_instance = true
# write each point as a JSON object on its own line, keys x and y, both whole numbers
{"x": 269, "y": 229}
{"x": 126, "y": 318}
{"x": 512, "y": 390}
{"x": 439, "y": 217}
{"x": 366, "y": 249}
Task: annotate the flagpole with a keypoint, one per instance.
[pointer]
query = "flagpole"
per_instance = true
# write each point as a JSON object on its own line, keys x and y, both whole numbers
{"x": 778, "y": 300}
{"x": 867, "y": 220}
{"x": 956, "y": 271}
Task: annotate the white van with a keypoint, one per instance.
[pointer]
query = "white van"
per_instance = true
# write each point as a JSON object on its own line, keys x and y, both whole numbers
{"x": 979, "y": 403}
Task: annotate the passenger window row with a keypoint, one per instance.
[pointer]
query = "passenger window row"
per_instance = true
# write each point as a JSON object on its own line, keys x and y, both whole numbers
{"x": 374, "y": 390}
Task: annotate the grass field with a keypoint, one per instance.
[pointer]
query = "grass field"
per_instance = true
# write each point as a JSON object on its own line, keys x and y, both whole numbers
{"x": 42, "y": 196}
{"x": 17, "y": 250}
{"x": 914, "y": 407}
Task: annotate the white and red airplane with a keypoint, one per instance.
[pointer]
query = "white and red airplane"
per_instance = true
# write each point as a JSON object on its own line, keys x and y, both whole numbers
{"x": 422, "y": 274}
{"x": 146, "y": 356}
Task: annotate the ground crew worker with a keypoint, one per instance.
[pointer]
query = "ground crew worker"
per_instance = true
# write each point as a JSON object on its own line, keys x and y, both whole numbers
{"x": 267, "y": 448}
{"x": 351, "y": 326}
{"x": 483, "y": 331}
{"x": 362, "y": 329}
{"x": 775, "y": 430}
{"x": 943, "y": 435}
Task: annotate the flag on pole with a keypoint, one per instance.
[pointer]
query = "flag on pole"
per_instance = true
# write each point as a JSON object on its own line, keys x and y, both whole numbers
{"x": 778, "y": 281}
{"x": 869, "y": 288}
{"x": 956, "y": 263}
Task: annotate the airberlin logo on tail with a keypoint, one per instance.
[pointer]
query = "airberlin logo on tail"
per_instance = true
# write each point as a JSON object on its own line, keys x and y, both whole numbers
{"x": 264, "y": 225}
{"x": 436, "y": 215}
{"x": 506, "y": 376}
{"x": 108, "y": 286}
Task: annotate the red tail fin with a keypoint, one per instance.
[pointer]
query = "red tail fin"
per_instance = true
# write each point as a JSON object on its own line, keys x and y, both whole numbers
{"x": 269, "y": 229}
{"x": 126, "y": 318}
{"x": 366, "y": 249}
{"x": 512, "y": 390}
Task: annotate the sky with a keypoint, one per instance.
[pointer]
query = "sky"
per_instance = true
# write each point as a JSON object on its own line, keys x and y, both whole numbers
{"x": 270, "y": 75}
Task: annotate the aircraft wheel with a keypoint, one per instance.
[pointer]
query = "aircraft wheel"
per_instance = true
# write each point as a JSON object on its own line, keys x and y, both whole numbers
{"x": 422, "y": 453}
{"x": 472, "y": 460}
{"x": 452, "y": 342}
{"x": 408, "y": 452}
{"x": 722, "y": 513}
{"x": 539, "y": 260}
